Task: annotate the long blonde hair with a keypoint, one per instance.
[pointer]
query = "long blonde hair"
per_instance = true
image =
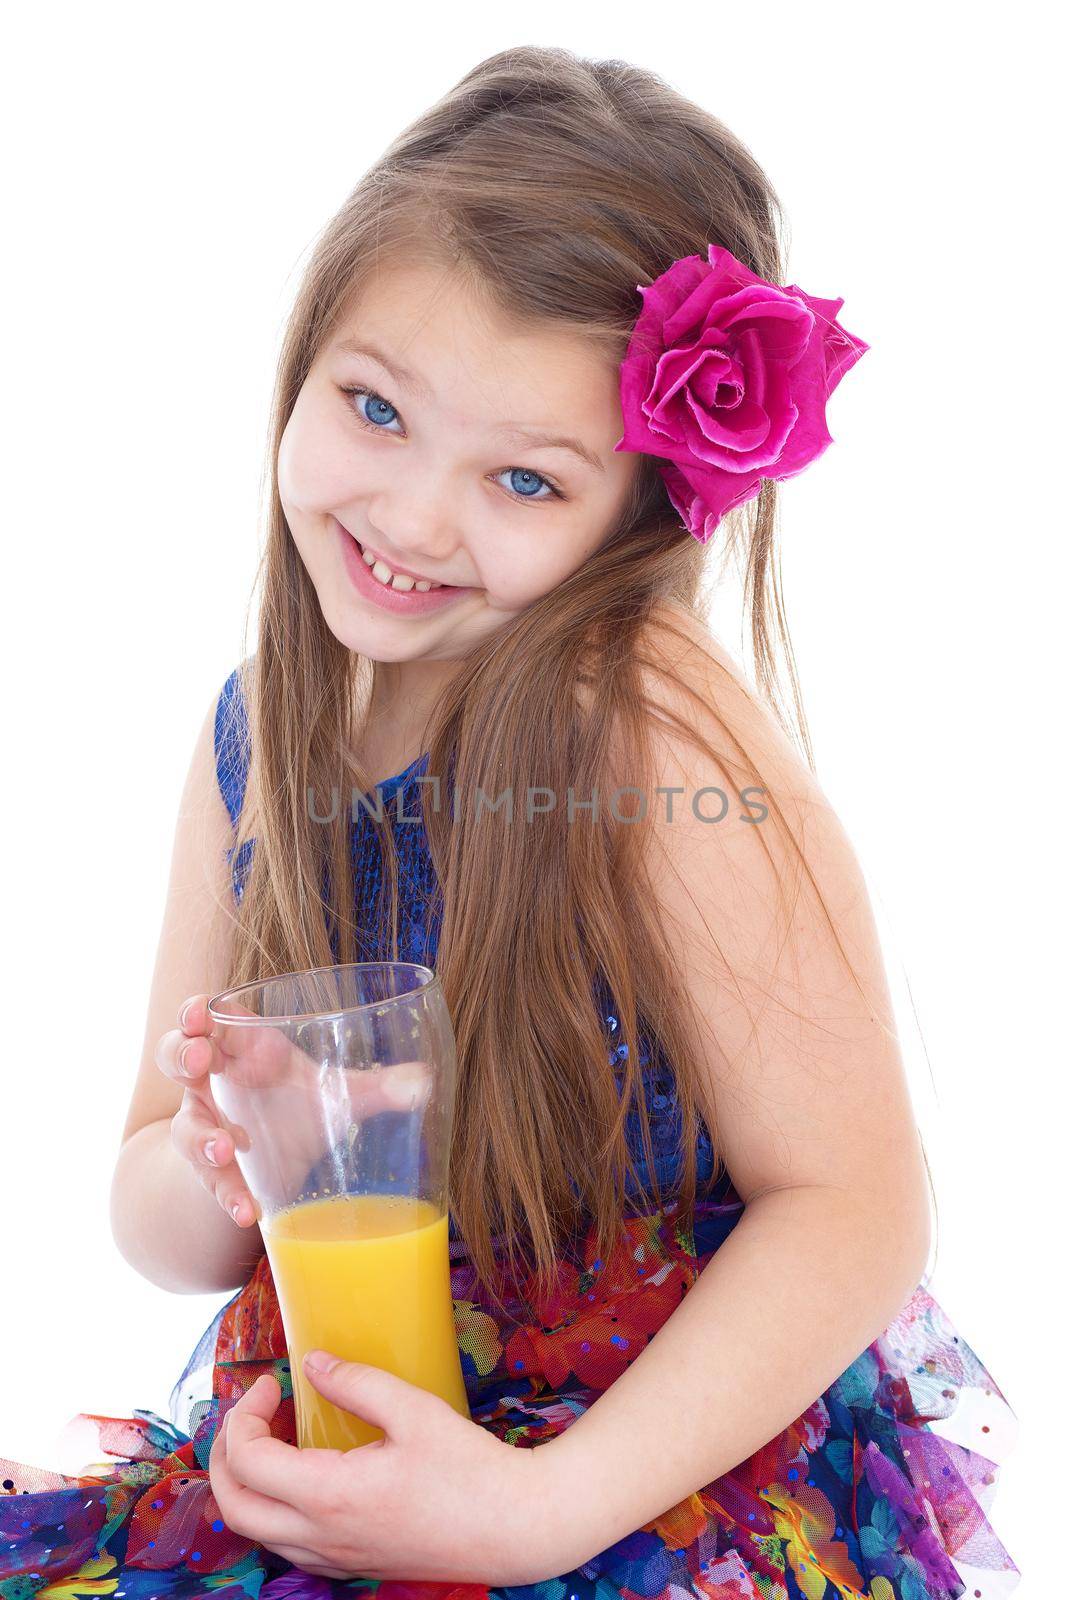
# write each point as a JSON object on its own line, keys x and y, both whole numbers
{"x": 555, "y": 185}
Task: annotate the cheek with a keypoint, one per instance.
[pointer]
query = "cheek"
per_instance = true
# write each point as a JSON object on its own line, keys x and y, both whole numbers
{"x": 316, "y": 462}
{"x": 515, "y": 577}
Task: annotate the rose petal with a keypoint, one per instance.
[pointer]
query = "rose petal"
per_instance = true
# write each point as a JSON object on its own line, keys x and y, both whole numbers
{"x": 670, "y": 291}
{"x": 703, "y": 498}
{"x": 695, "y": 300}
{"x": 785, "y": 322}
{"x": 679, "y": 367}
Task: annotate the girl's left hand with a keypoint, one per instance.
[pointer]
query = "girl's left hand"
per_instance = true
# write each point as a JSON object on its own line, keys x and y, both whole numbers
{"x": 439, "y": 1497}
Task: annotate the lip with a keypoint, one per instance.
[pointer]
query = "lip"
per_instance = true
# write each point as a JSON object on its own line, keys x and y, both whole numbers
{"x": 399, "y": 601}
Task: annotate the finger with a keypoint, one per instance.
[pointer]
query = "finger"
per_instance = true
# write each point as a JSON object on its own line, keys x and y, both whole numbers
{"x": 252, "y": 1052}
{"x": 246, "y": 1511}
{"x": 307, "y": 1561}
{"x": 193, "y": 1016}
{"x": 407, "y": 1084}
{"x": 211, "y": 1138}
{"x": 191, "y": 1132}
{"x": 193, "y": 1128}
{"x": 267, "y": 1054}
{"x": 269, "y": 1465}
{"x": 401, "y": 1409}
{"x": 261, "y": 1054}
{"x": 211, "y": 1122}
{"x": 404, "y": 1086}
{"x": 241, "y": 1032}
{"x": 183, "y": 1058}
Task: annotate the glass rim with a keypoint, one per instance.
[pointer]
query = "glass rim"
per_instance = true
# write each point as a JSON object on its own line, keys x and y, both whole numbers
{"x": 318, "y": 1016}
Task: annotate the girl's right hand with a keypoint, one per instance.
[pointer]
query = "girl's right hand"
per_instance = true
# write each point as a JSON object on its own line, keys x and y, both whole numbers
{"x": 188, "y": 1055}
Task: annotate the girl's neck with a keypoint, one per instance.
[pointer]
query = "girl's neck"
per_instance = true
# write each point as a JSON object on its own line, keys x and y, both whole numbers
{"x": 393, "y": 732}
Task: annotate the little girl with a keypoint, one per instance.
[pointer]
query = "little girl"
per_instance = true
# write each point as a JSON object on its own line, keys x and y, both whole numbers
{"x": 541, "y": 362}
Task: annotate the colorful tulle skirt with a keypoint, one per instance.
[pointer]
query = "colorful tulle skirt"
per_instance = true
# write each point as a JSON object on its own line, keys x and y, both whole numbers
{"x": 861, "y": 1496}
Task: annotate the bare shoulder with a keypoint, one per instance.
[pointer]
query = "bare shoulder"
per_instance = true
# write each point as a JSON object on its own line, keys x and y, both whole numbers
{"x": 750, "y": 816}
{"x": 766, "y": 910}
{"x": 195, "y": 937}
{"x": 693, "y": 682}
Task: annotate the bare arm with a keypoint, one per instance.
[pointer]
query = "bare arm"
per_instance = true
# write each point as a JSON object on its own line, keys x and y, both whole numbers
{"x": 813, "y": 1119}
{"x": 165, "y": 1219}
{"x": 800, "y": 1287}
{"x": 169, "y": 1227}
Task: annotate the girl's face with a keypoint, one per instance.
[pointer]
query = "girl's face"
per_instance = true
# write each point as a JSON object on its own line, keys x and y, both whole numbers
{"x": 413, "y": 438}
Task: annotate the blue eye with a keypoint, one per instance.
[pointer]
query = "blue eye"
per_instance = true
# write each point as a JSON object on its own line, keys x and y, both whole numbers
{"x": 524, "y": 473}
{"x": 373, "y": 414}
{"x": 374, "y": 418}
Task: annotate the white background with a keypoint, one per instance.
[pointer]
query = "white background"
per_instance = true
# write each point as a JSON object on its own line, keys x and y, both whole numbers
{"x": 167, "y": 171}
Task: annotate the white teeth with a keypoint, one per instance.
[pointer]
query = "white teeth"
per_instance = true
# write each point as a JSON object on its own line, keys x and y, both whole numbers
{"x": 396, "y": 580}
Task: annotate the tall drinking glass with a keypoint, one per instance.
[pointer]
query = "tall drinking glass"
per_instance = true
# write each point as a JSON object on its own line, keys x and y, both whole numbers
{"x": 337, "y": 1085}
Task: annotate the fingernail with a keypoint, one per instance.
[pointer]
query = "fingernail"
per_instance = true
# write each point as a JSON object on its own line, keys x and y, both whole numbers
{"x": 403, "y": 1083}
{"x": 209, "y": 1151}
{"x": 319, "y": 1361}
{"x": 235, "y": 1211}
{"x": 184, "y": 1017}
{"x": 182, "y": 1068}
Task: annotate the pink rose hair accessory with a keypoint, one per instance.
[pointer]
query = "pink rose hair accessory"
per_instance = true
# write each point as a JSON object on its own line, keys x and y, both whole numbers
{"x": 726, "y": 377}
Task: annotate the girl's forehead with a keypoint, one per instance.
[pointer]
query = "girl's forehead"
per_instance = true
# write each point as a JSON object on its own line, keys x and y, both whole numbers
{"x": 430, "y": 330}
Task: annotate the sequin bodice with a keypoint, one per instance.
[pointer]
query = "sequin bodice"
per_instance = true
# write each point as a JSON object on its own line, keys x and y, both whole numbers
{"x": 419, "y": 922}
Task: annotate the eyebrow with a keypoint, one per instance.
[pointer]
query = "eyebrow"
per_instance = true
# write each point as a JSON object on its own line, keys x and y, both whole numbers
{"x": 507, "y": 430}
{"x": 400, "y": 375}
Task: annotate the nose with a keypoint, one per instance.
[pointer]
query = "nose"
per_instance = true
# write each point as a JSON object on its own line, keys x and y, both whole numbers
{"x": 415, "y": 526}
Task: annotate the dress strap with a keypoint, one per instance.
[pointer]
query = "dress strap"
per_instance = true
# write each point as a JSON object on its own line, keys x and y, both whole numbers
{"x": 231, "y": 744}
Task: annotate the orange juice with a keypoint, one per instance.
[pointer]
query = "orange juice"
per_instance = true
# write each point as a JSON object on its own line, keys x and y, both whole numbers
{"x": 365, "y": 1277}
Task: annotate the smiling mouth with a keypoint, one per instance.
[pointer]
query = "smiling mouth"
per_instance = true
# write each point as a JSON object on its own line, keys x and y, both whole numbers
{"x": 396, "y": 580}
{"x": 402, "y": 581}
